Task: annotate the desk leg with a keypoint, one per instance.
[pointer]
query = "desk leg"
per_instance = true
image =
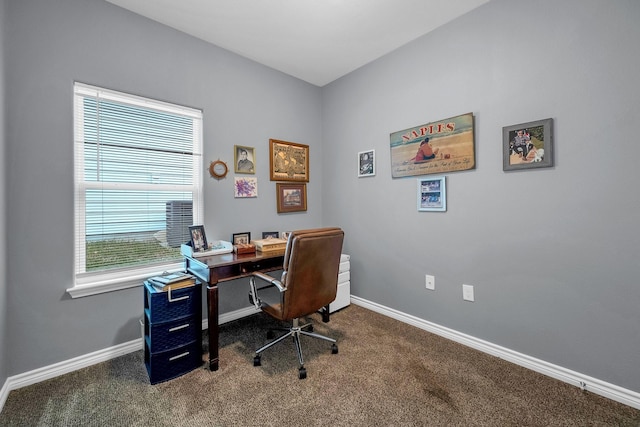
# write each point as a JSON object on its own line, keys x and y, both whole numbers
{"x": 212, "y": 321}
{"x": 325, "y": 314}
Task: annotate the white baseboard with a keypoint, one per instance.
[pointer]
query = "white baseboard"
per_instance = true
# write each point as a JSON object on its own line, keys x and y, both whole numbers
{"x": 41, "y": 374}
{"x": 585, "y": 382}
{"x": 594, "y": 385}
{"x": 61, "y": 368}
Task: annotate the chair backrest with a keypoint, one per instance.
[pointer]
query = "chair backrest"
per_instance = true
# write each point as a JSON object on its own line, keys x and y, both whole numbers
{"x": 310, "y": 270}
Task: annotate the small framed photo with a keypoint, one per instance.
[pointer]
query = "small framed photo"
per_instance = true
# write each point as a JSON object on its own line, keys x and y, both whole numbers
{"x": 527, "y": 145}
{"x": 291, "y": 197}
{"x": 198, "y": 238}
{"x": 366, "y": 163}
{"x": 288, "y": 161}
{"x": 241, "y": 238}
{"x": 245, "y": 187}
{"x": 270, "y": 234}
{"x": 244, "y": 159}
{"x": 432, "y": 194}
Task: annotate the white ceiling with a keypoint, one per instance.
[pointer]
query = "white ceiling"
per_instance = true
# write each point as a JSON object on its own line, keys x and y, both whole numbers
{"x": 317, "y": 41}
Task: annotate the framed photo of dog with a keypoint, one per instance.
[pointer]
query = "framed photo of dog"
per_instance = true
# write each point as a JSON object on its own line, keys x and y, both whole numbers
{"x": 527, "y": 145}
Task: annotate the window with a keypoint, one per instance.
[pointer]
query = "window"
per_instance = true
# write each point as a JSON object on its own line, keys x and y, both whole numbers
{"x": 138, "y": 187}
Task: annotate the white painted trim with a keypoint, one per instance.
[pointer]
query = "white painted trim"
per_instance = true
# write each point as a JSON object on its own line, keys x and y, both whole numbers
{"x": 594, "y": 385}
{"x": 61, "y": 368}
{"x": 42, "y": 374}
{"x": 235, "y": 315}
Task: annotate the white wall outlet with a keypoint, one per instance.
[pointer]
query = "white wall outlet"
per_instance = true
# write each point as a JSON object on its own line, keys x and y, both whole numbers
{"x": 467, "y": 292}
{"x": 430, "y": 282}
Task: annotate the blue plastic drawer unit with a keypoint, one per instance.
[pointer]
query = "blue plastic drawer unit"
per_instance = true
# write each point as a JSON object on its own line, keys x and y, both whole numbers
{"x": 172, "y": 331}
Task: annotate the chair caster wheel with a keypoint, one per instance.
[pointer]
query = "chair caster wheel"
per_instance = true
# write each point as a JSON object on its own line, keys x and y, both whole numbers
{"x": 302, "y": 373}
{"x": 256, "y": 361}
{"x": 270, "y": 334}
{"x": 334, "y": 349}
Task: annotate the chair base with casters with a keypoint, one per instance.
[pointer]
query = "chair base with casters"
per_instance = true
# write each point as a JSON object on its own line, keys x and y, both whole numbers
{"x": 295, "y": 331}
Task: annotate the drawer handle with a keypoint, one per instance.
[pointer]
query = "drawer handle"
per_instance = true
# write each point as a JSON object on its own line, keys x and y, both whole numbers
{"x": 171, "y": 299}
{"x": 186, "y": 353}
{"x": 177, "y": 328}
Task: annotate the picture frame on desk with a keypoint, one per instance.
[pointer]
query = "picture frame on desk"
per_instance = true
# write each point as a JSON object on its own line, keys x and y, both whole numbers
{"x": 241, "y": 238}
{"x": 267, "y": 234}
{"x": 285, "y": 235}
{"x": 198, "y": 238}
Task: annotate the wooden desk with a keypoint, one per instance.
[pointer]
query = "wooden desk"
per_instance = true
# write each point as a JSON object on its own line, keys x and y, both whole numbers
{"x": 221, "y": 268}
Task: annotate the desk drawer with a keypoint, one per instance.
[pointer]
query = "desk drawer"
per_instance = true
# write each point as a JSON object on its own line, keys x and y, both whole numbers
{"x": 166, "y": 335}
{"x": 234, "y": 271}
{"x": 166, "y": 365}
{"x": 170, "y": 305}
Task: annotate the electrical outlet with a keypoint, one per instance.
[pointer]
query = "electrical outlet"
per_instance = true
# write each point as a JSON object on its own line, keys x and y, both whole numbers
{"x": 430, "y": 282}
{"x": 467, "y": 292}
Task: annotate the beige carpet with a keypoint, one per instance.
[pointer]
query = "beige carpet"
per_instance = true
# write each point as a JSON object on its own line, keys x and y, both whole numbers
{"x": 386, "y": 374}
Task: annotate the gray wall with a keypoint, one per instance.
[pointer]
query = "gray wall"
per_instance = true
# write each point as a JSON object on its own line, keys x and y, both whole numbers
{"x": 552, "y": 253}
{"x": 51, "y": 44}
{"x": 3, "y": 247}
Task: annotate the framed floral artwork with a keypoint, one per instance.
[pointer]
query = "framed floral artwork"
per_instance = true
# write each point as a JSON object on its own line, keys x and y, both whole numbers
{"x": 245, "y": 187}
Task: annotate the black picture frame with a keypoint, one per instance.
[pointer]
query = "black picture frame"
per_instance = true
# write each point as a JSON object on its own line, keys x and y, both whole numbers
{"x": 272, "y": 234}
{"x": 241, "y": 238}
{"x": 198, "y": 238}
{"x": 528, "y": 145}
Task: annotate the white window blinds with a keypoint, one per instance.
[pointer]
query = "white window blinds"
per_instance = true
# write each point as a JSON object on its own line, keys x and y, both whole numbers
{"x": 138, "y": 182}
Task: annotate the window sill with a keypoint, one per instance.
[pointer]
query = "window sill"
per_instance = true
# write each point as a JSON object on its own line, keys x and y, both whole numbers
{"x": 103, "y": 283}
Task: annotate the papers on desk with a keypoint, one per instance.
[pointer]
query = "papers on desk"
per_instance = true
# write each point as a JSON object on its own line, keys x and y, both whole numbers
{"x": 217, "y": 247}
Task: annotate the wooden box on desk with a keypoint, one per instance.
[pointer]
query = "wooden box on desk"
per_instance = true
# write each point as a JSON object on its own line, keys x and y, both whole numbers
{"x": 244, "y": 248}
{"x": 172, "y": 331}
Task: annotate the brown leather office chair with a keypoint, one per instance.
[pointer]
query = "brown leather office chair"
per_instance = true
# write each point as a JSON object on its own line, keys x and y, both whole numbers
{"x": 309, "y": 282}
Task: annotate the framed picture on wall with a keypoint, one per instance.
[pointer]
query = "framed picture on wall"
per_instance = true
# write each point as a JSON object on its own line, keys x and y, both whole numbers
{"x": 438, "y": 147}
{"x": 366, "y": 163}
{"x": 291, "y": 197}
{"x": 527, "y": 145}
{"x": 245, "y": 187}
{"x": 288, "y": 161}
{"x": 245, "y": 159}
{"x": 432, "y": 194}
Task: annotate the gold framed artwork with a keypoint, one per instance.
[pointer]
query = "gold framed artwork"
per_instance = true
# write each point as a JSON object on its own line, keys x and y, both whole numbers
{"x": 291, "y": 197}
{"x": 288, "y": 161}
{"x": 443, "y": 146}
